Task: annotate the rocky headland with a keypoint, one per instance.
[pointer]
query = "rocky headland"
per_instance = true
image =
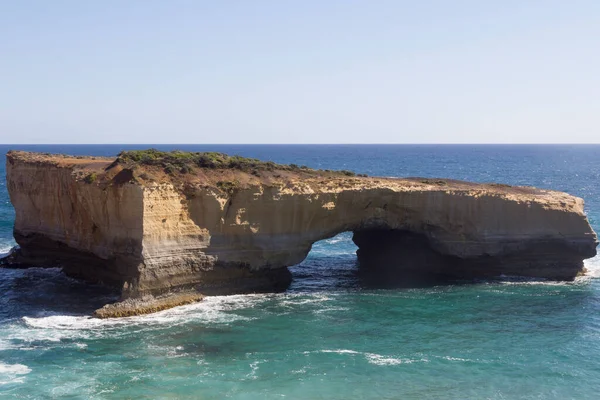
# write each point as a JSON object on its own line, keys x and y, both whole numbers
{"x": 167, "y": 228}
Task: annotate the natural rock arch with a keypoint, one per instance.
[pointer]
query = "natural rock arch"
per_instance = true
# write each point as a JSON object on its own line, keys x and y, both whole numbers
{"x": 228, "y": 230}
{"x": 454, "y": 233}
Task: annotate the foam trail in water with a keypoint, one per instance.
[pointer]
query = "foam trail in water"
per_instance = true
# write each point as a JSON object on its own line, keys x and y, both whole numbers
{"x": 16, "y": 369}
{"x": 5, "y": 249}
{"x": 372, "y": 358}
{"x": 593, "y": 267}
{"x": 49, "y": 327}
{"x": 215, "y": 309}
{"x": 10, "y": 373}
{"x": 378, "y": 359}
{"x": 340, "y": 351}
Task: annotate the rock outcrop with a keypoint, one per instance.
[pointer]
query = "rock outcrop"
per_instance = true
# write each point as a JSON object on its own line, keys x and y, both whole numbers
{"x": 155, "y": 229}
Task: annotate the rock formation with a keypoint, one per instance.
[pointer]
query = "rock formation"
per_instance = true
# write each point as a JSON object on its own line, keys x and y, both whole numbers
{"x": 149, "y": 223}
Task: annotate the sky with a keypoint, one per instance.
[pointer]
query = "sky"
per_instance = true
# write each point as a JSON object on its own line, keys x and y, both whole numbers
{"x": 175, "y": 71}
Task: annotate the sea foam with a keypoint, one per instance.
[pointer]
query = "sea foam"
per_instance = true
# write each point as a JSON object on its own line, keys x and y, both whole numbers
{"x": 11, "y": 373}
{"x": 592, "y": 266}
{"x": 371, "y": 358}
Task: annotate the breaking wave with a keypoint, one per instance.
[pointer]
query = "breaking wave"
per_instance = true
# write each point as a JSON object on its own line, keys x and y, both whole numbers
{"x": 593, "y": 267}
{"x": 13, "y": 373}
{"x": 217, "y": 309}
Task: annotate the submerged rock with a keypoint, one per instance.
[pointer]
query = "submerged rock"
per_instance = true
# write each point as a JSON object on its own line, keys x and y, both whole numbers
{"x": 152, "y": 223}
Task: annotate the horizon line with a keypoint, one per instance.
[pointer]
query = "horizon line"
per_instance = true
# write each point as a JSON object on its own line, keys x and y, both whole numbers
{"x": 305, "y": 144}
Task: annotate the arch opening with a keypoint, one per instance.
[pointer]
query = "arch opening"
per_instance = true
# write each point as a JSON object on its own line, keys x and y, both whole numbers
{"x": 331, "y": 264}
{"x": 372, "y": 258}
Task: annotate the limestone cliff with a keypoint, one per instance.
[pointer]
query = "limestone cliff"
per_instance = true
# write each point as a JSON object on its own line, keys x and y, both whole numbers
{"x": 154, "y": 228}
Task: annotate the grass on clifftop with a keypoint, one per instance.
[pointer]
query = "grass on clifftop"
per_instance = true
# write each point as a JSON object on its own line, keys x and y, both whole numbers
{"x": 185, "y": 162}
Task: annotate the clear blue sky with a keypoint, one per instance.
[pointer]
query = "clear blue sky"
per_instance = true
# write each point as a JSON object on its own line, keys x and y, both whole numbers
{"x": 174, "y": 71}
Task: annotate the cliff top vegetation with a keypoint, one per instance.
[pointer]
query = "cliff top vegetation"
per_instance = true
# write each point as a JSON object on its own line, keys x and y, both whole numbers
{"x": 226, "y": 172}
{"x": 185, "y": 162}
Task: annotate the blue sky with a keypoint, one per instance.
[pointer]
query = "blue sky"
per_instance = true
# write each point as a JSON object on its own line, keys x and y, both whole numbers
{"x": 177, "y": 71}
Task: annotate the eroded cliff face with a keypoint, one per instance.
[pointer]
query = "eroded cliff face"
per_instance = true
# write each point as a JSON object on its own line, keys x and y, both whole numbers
{"x": 219, "y": 231}
{"x": 95, "y": 234}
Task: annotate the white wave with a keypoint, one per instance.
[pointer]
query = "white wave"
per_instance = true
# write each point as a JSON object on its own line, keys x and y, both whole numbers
{"x": 28, "y": 336}
{"x": 303, "y": 298}
{"x": 340, "y": 351}
{"x": 5, "y": 248}
{"x": 592, "y": 267}
{"x": 6, "y": 345}
{"x": 212, "y": 310}
{"x": 52, "y": 328}
{"x": 301, "y": 302}
{"x": 378, "y": 359}
{"x": 10, "y": 373}
{"x": 461, "y": 359}
{"x": 14, "y": 369}
{"x": 63, "y": 322}
{"x": 533, "y": 281}
{"x": 372, "y": 358}
{"x": 448, "y": 358}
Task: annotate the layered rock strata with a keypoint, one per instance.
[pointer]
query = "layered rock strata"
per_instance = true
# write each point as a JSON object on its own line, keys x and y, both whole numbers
{"x": 149, "y": 230}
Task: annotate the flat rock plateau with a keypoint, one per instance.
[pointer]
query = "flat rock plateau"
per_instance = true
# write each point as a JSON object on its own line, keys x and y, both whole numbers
{"x": 167, "y": 228}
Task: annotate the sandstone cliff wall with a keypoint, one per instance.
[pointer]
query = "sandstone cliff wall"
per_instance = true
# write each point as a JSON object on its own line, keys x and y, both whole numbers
{"x": 58, "y": 217}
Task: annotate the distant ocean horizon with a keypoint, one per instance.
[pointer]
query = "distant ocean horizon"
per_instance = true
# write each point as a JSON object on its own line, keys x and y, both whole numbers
{"x": 330, "y": 335}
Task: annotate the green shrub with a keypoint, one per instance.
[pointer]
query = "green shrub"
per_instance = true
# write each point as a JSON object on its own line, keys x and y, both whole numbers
{"x": 170, "y": 169}
{"x": 438, "y": 182}
{"x": 228, "y": 187}
{"x": 90, "y": 178}
{"x": 185, "y": 162}
{"x": 186, "y": 169}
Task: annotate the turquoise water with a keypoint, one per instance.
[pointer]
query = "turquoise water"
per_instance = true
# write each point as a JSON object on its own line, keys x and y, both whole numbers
{"x": 331, "y": 335}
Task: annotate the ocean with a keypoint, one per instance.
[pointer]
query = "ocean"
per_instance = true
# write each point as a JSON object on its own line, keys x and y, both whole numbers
{"x": 330, "y": 335}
